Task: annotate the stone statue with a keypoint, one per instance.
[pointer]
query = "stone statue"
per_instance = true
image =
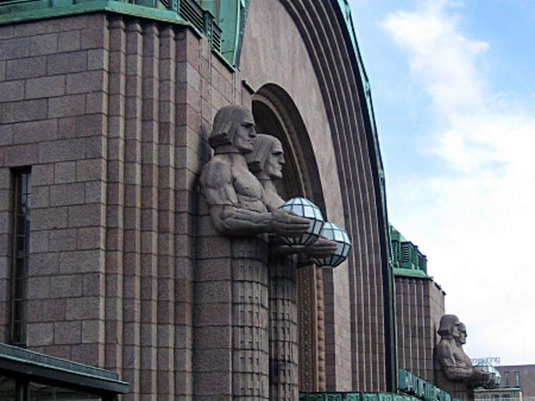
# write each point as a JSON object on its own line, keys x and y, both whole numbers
{"x": 266, "y": 162}
{"x": 455, "y": 364}
{"x": 235, "y": 196}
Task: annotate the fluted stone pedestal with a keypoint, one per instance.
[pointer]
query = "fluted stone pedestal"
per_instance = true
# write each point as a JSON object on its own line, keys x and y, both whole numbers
{"x": 250, "y": 331}
{"x": 283, "y": 349}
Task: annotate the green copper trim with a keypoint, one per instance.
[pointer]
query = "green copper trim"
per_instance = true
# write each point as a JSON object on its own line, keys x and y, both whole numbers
{"x": 41, "y": 367}
{"x": 35, "y": 10}
{"x": 406, "y": 257}
{"x": 410, "y": 273}
{"x": 375, "y": 155}
{"x": 354, "y": 396}
{"x": 230, "y": 21}
{"x": 248, "y": 87}
{"x": 224, "y": 60}
{"x": 231, "y": 16}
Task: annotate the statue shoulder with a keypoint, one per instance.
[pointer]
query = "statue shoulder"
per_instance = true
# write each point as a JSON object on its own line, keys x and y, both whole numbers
{"x": 216, "y": 172}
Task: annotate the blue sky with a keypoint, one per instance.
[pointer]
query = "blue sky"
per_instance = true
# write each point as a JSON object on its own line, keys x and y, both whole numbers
{"x": 453, "y": 88}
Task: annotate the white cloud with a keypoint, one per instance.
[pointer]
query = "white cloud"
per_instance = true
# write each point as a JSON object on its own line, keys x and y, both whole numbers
{"x": 440, "y": 57}
{"x": 475, "y": 219}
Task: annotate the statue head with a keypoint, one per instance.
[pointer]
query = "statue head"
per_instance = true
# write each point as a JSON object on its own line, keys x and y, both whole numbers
{"x": 267, "y": 158}
{"x": 233, "y": 128}
{"x": 449, "y": 326}
{"x": 461, "y": 338}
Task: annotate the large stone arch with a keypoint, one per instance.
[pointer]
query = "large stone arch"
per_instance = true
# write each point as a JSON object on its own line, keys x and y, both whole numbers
{"x": 306, "y": 48}
{"x": 276, "y": 113}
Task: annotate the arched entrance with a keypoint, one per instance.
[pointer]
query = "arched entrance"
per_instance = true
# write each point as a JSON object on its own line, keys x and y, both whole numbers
{"x": 276, "y": 114}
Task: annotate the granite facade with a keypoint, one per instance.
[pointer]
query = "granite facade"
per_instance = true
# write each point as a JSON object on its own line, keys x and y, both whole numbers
{"x": 419, "y": 307}
{"x": 126, "y": 270}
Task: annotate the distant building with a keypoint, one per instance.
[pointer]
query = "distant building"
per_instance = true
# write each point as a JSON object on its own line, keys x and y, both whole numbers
{"x": 517, "y": 384}
{"x": 419, "y": 307}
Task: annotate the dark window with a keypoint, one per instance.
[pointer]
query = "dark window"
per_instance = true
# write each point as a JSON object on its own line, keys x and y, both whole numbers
{"x": 517, "y": 379}
{"x": 495, "y": 397}
{"x": 506, "y": 376}
{"x": 39, "y": 391}
{"x": 21, "y": 247}
{"x": 21, "y": 390}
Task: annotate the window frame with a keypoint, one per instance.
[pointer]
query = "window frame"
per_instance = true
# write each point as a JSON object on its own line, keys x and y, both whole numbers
{"x": 22, "y": 179}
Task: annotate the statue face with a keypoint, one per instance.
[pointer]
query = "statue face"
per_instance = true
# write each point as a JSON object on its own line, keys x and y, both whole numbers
{"x": 455, "y": 330}
{"x": 244, "y": 135}
{"x": 462, "y": 333}
{"x": 275, "y": 161}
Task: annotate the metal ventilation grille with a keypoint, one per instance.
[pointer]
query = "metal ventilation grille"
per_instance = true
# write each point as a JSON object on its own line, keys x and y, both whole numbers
{"x": 190, "y": 11}
{"x": 216, "y": 38}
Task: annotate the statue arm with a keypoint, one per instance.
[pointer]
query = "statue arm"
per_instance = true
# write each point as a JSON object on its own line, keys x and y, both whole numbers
{"x": 453, "y": 368}
{"x": 230, "y": 219}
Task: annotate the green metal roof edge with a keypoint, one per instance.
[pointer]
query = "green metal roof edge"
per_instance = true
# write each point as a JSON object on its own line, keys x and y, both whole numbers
{"x": 39, "y": 11}
{"x": 400, "y": 271}
{"x": 375, "y": 153}
{"x": 35, "y": 359}
{"x": 231, "y": 18}
{"x": 346, "y": 11}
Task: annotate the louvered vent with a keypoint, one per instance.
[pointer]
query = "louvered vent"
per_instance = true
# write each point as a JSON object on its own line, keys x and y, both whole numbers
{"x": 190, "y": 11}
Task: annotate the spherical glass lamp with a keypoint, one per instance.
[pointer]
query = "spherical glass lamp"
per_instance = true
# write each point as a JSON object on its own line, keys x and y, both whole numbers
{"x": 495, "y": 376}
{"x": 337, "y": 234}
{"x": 304, "y": 208}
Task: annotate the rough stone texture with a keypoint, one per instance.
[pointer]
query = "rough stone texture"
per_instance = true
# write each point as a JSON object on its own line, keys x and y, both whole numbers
{"x": 283, "y": 335}
{"x": 419, "y": 307}
{"x": 339, "y": 181}
{"x": 112, "y": 114}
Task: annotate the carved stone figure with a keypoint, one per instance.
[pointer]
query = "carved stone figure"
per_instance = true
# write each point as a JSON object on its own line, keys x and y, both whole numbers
{"x": 235, "y": 196}
{"x": 454, "y": 366}
{"x": 238, "y": 210}
{"x": 266, "y": 161}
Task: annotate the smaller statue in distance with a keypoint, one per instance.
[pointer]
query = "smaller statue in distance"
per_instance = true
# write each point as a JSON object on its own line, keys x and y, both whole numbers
{"x": 234, "y": 194}
{"x": 266, "y": 161}
{"x": 455, "y": 364}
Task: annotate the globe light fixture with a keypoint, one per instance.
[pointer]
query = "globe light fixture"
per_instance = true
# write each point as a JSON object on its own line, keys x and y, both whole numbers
{"x": 304, "y": 208}
{"x": 337, "y": 234}
{"x": 495, "y": 376}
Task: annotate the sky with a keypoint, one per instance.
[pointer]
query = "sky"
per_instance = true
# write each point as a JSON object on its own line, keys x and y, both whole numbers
{"x": 453, "y": 89}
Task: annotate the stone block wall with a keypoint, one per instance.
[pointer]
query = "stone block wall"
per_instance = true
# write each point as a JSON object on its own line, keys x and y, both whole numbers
{"x": 53, "y": 85}
{"x": 112, "y": 113}
{"x": 126, "y": 271}
{"x": 419, "y": 307}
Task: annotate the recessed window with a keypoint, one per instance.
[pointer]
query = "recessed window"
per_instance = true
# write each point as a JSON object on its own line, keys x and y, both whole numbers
{"x": 20, "y": 253}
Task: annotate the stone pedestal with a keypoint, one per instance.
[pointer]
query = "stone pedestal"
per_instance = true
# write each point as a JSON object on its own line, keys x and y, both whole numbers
{"x": 250, "y": 331}
{"x": 457, "y": 389}
{"x": 283, "y": 349}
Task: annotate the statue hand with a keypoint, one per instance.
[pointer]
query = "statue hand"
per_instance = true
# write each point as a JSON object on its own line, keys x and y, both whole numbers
{"x": 288, "y": 224}
{"x": 480, "y": 378}
{"x": 481, "y": 375}
{"x": 322, "y": 248}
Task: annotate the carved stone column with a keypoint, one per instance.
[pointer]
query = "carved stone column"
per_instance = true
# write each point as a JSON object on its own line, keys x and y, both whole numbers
{"x": 250, "y": 331}
{"x": 283, "y": 348}
{"x": 311, "y": 329}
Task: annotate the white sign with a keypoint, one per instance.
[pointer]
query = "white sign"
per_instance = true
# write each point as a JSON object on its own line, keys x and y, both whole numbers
{"x": 493, "y": 360}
